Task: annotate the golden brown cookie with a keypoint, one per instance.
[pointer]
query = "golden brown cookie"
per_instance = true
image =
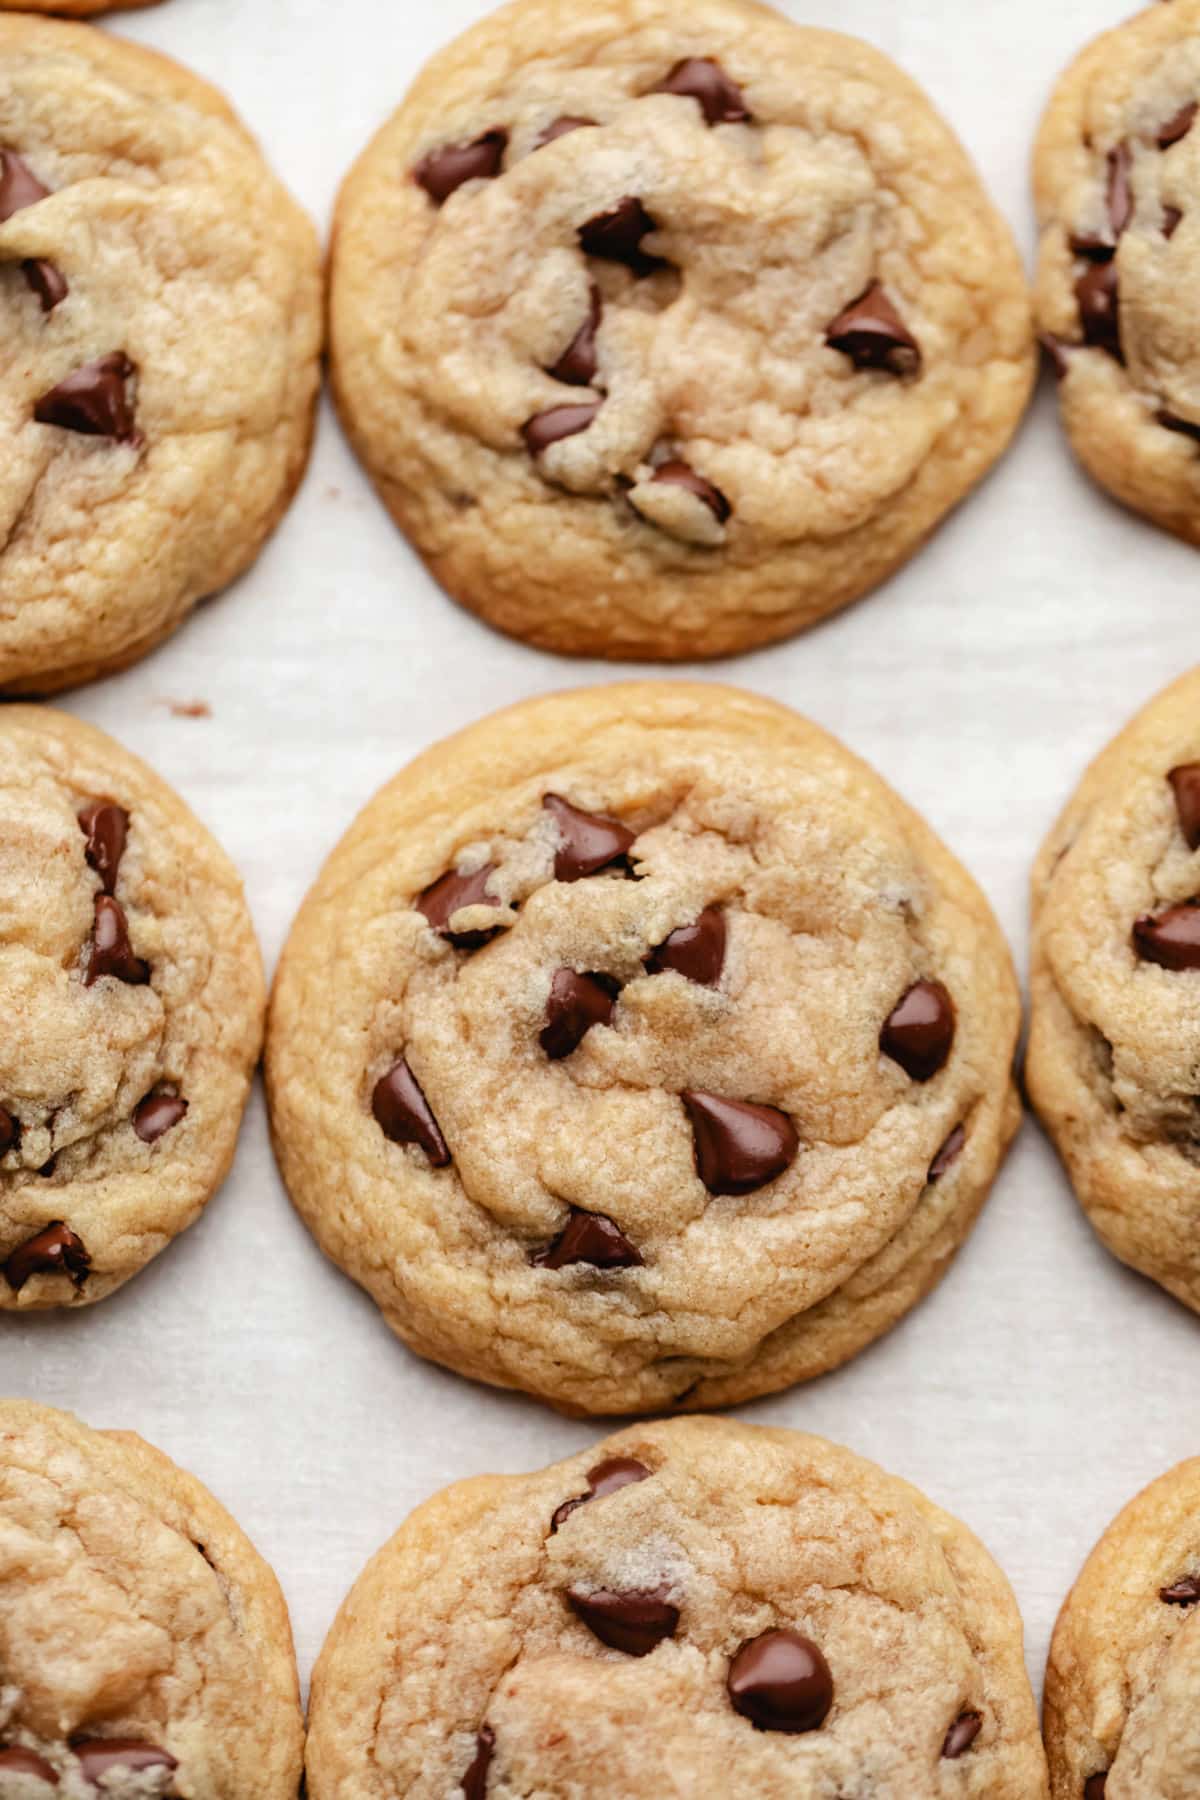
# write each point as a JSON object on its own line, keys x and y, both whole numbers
{"x": 74, "y": 9}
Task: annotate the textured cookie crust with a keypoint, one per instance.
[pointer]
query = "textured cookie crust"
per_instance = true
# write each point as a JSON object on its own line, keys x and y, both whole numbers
{"x": 1115, "y": 1037}
{"x": 86, "y": 1071}
{"x": 835, "y": 900}
{"x": 445, "y": 320}
{"x": 181, "y": 253}
{"x": 463, "y": 1621}
{"x": 132, "y": 1607}
{"x": 1124, "y": 1664}
{"x": 1117, "y": 182}
{"x": 73, "y": 9}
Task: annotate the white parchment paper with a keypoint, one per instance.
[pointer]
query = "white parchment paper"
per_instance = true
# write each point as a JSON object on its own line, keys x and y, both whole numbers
{"x": 1042, "y": 1384}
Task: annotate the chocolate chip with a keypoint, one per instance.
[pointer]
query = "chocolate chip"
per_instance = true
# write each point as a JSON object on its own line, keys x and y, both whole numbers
{"x": 701, "y": 78}
{"x": 919, "y": 1034}
{"x": 635, "y": 1622}
{"x": 576, "y": 1003}
{"x": 1172, "y": 220}
{"x": 106, "y": 828}
{"x": 157, "y": 1114}
{"x": 559, "y": 422}
{"x": 1183, "y": 427}
{"x": 18, "y": 1761}
{"x": 1178, "y": 126}
{"x": 1092, "y": 247}
{"x": 681, "y": 474}
{"x": 616, "y": 236}
{"x": 102, "y": 1756}
{"x": 1094, "y": 1786}
{"x": 405, "y": 1116}
{"x": 443, "y": 172}
{"x": 1172, "y": 938}
{"x": 739, "y": 1147}
{"x": 448, "y": 895}
{"x": 695, "y": 951}
{"x": 873, "y": 335}
{"x": 563, "y": 128}
{"x": 474, "y": 1782}
{"x": 1120, "y": 191}
{"x": 1185, "y": 781}
{"x": 607, "y": 1477}
{"x": 54, "y": 1251}
{"x": 1185, "y": 1592}
{"x": 588, "y": 842}
{"x": 1059, "y": 352}
{"x": 589, "y": 1238}
{"x": 92, "y": 399}
{"x": 47, "y": 282}
{"x": 949, "y": 1153}
{"x": 577, "y": 365}
{"x": 111, "y": 952}
{"x": 19, "y": 186}
{"x": 1100, "y": 308}
{"x": 781, "y": 1682}
{"x": 961, "y": 1735}
{"x": 10, "y": 1130}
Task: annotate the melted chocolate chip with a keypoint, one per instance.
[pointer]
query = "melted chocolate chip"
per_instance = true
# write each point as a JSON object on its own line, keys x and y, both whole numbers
{"x": 739, "y": 1147}
{"x": 1172, "y": 220}
{"x": 106, "y": 828}
{"x": 874, "y": 336}
{"x": 101, "y": 1756}
{"x": 919, "y": 1034}
{"x": 1185, "y": 781}
{"x": 635, "y": 1622}
{"x": 1120, "y": 191}
{"x": 54, "y": 1251}
{"x": 961, "y": 1735}
{"x": 1099, "y": 301}
{"x": 616, "y": 236}
{"x": 19, "y": 186}
{"x": 16, "y": 1760}
{"x": 1059, "y": 351}
{"x": 1094, "y": 1786}
{"x": 701, "y": 78}
{"x": 588, "y": 842}
{"x": 92, "y": 400}
{"x": 1092, "y": 246}
{"x": 949, "y": 1154}
{"x": 781, "y": 1682}
{"x": 47, "y": 282}
{"x": 607, "y": 1477}
{"x": 695, "y": 951}
{"x": 1177, "y": 126}
{"x": 576, "y": 1003}
{"x": 444, "y": 171}
{"x": 576, "y": 367}
{"x": 1185, "y": 1592}
{"x": 563, "y": 128}
{"x": 405, "y": 1116}
{"x": 157, "y": 1114}
{"x": 449, "y": 895}
{"x": 10, "y": 1130}
{"x": 474, "y": 1782}
{"x": 589, "y": 1238}
{"x": 547, "y": 428}
{"x": 682, "y": 475}
{"x": 1171, "y": 939}
{"x": 111, "y": 952}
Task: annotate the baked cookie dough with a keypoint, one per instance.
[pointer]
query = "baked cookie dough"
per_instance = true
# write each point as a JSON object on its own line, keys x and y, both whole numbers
{"x": 638, "y": 1047}
{"x": 1124, "y": 1667}
{"x": 74, "y": 9}
{"x": 1117, "y": 177}
{"x": 145, "y": 1648}
{"x": 1115, "y": 1037}
{"x": 160, "y": 305}
{"x": 132, "y": 995}
{"x": 664, "y": 330}
{"x": 696, "y": 1607}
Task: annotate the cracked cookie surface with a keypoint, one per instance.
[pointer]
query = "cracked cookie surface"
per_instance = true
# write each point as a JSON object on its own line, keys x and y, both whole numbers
{"x": 695, "y": 1607}
{"x": 665, "y": 331}
{"x": 1117, "y": 182}
{"x": 639, "y": 1047}
{"x": 133, "y": 1002}
{"x": 1115, "y": 1034}
{"x": 145, "y": 1648}
{"x": 160, "y": 295}
{"x": 1124, "y": 1663}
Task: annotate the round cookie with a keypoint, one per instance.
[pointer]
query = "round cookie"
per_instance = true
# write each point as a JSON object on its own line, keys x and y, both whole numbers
{"x": 1115, "y": 1035}
{"x": 145, "y": 1646}
{"x": 697, "y": 1607}
{"x": 664, "y": 331}
{"x": 133, "y": 997}
{"x": 1124, "y": 1668}
{"x": 160, "y": 299}
{"x": 639, "y": 1047}
{"x": 1117, "y": 178}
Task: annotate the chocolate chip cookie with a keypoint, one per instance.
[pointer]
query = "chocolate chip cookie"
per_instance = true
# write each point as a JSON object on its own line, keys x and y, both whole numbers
{"x": 73, "y": 9}
{"x": 639, "y": 1047}
{"x": 697, "y": 1607}
{"x": 132, "y": 997}
{"x": 665, "y": 330}
{"x": 145, "y": 1648}
{"x": 1117, "y": 176}
{"x": 1124, "y": 1665}
{"x": 1115, "y": 1038}
{"x": 160, "y": 299}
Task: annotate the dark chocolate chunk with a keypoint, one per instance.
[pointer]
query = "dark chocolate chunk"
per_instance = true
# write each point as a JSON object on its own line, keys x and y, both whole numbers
{"x": 781, "y": 1682}
{"x": 54, "y": 1251}
{"x": 10, "y": 1130}
{"x": 1094, "y": 1786}
{"x": 739, "y": 1147}
{"x": 1177, "y": 126}
{"x": 576, "y": 367}
{"x": 616, "y": 236}
{"x": 1120, "y": 191}
{"x": 444, "y": 171}
{"x": 608, "y": 1477}
{"x": 1059, "y": 352}
{"x": 589, "y": 1238}
{"x": 635, "y": 1622}
{"x": 474, "y": 1782}
{"x": 106, "y": 828}
{"x": 588, "y": 842}
{"x": 949, "y": 1154}
{"x": 1184, "y": 1592}
{"x": 1171, "y": 939}
{"x": 157, "y": 1114}
{"x": 44, "y": 280}
{"x": 576, "y": 1003}
{"x": 919, "y": 1033}
{"x": 563, "y": 128}
{"x": 559, "y": 422}
{"x": 874, "y": 336}
{"x": 405, "y": 1116}
{"x": 1099, "y": 300}
{"x": 16, "y": 1760}
{"x": 102, "y": 1756}
{"x": 701, "y": 78}
{"x": 1185, "y": 781}
{"x": 19, "y": 186}
{"x": 92, "y": 399}
{"x": 111, "y": 951}
{"x": 696, "y": 951}
{"x": 449, "y": 895}
{"x": 681, "y": 474}
{"x": 961, "y": 1735}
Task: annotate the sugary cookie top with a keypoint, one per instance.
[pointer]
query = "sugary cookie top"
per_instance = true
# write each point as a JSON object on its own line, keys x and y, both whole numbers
{"x": 695, "y": 1607}
{"x": 145, "y": 1650}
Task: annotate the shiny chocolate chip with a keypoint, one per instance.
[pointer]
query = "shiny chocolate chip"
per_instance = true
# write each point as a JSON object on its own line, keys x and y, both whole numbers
{"x": 405, "y": 1116}
{"x": 44, "y": 280}
{"x": 563, "y": 128}
{"x": 682, "y": 475}
{"x": 10, "y": 1130}
{"x": 588, "y": 842}
{"x": 1172, "y": 220}
{"x": 589, "y": 1238}
{"x": 576, "y": 1003}
{"x": 1120, "y": 190}
{"x": 98, "y": 1757}
{"x": 1184, "y": 1592}
{"x": 16, "y": 1760}
{"x": 874, "y": 336}
{"x": 559, "y": 422}
{"x": 616, "y": 236}
{"x": 576, "y": 367}
{"x": 474, "y": 1782}
{"x": 111, "y": 951}
{"x": 608, "y": 1477}
{"x": 93, "y": 399}
{"x": 1098, "y": 297}
{"x": 1177, "y": 126}
{"x": 703, "y": 79}
{"x": 695, "y": 951}
{"x": 948, "y": 1155}
{"x": 444, "y": 171}
{"x": 1094, "y": 1786}
{"x": 1059, "y": 352}
{"x": 961, "y": 1735}
{"x": 739, "y": 1147}
{"x": 448, "y": 895}
{"x": 1185, "y": 782}
{"x": 106, "y": 828}
{"x": 1171, "y": 939}
{"x": 19, "y": 186}
{"x": 55, "y": 1251}
{"x": 157, "y": 1114}
{"x": 781, "y": 1682}
{"x": 919, "y": 1033}
{"x": 635, "y": 1622}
